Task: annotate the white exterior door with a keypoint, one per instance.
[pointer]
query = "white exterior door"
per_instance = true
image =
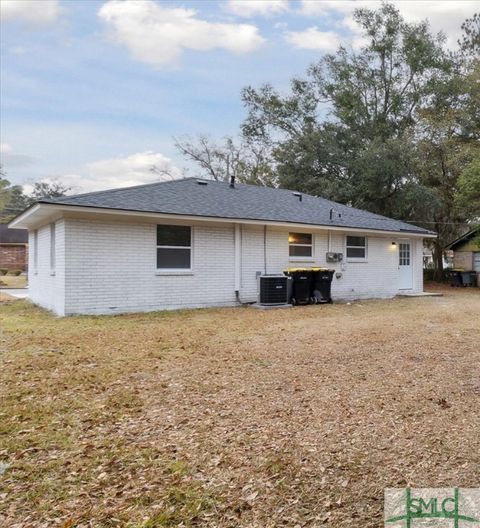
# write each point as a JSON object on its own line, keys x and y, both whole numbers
{"x": 405, "y": 271}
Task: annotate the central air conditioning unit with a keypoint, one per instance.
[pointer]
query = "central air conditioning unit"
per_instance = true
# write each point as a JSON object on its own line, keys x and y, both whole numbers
{"x": 274, "y": 289}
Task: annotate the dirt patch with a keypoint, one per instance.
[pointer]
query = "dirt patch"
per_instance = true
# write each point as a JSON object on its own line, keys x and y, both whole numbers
{"x": 235, "y": 417}
{"x": 4, "y": 297}
{"x": 13, "y": 281}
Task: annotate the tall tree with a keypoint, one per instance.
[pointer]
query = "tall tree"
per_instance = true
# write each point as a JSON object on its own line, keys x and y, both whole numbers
{"x": 468, "y": 190}
{"x": 13, "y": 199}
{"x": 448, "y": 147}
{"x": 247, "y": 162}
{"x": 4, "y": 192}
{"x": 48, "y": 189}
{"x": 345, "y": 131}
{"x": 470, "y": 41}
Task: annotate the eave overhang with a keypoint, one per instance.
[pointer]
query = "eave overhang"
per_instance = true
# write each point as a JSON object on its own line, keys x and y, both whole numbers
{"x": 42, "y": 213}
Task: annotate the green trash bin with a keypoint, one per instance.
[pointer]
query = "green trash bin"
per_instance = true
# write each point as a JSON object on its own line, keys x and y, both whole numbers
{"x": 469, "y": 279}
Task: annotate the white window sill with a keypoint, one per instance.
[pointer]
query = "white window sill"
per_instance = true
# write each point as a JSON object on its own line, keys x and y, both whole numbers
{"x": 52, "y": 273}
{"x": 358, "y": 261}
{"x": 174, "y": 272}
{"x": 301, "y": 259}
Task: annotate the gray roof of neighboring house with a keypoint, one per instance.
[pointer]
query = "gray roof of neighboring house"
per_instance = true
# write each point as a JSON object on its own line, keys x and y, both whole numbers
{"x": 466, "y": 237}
{"x": 12, "y": 236}
{"x": 207, "y": 198}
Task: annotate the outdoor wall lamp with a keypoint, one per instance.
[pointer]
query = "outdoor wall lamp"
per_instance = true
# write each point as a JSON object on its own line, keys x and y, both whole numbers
{"x": 394, "y": 244}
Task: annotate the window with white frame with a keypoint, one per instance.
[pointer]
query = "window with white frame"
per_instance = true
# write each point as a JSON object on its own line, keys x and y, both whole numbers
{"x": 356, "y": 248}
{"x": 300, "y": 245}
{"x": 52, "y": 247}
{"x": 35, "y": 250}
{"x": 404, "y": 254}
{"x": 174, "y": 247}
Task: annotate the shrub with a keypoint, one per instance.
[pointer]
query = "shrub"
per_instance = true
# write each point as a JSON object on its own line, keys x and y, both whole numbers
{"x": 3, "y": 271}
{"x": 429, "y": 273}
{"x": 16, "y": 273}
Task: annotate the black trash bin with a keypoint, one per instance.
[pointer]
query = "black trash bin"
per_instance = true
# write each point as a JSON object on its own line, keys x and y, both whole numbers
{"x": 301, "y": 285}
{"x": 456, "y": 278}
{"x": 322, "y": 285}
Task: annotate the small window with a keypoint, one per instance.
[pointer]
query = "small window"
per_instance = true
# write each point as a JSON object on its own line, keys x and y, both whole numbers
{"x": 404, "y": 255}
{"x": 52, "y": 247}
{"x": 300, "y": 245}
{"x": 174, "y": 247}
{"x": 356, "y": 248}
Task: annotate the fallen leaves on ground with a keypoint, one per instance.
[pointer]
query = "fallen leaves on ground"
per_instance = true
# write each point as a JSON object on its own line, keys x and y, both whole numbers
{"x": 236, "y": 417}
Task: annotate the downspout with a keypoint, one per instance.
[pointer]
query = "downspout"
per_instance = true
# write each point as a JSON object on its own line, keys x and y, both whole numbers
{"x": 237, "y": 241}
{"x": 265, "y": 249}
{"x": 329, "y": 241}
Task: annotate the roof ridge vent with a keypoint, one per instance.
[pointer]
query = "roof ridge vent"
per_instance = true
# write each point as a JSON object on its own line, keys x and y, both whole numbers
{"x": 202, "y": 182}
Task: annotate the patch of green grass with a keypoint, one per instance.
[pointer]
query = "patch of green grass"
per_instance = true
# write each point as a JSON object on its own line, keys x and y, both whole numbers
{"x": 178, "y": 468}
{"x": 183, "y": 506}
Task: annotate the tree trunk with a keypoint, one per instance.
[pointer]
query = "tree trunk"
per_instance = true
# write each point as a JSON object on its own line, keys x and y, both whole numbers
{"x": 438, "y": 260}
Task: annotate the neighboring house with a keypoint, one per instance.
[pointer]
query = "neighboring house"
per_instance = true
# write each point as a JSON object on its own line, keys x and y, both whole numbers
{"x": 13, "y": 248}
{"x": 197, "y": 243}
{"x": 428, "y": 259}
{"x": 466, "y": 251}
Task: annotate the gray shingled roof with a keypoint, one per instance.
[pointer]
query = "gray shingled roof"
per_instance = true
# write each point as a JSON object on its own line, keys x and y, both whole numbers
{"x": 464, "y": 238}
{"x": 248, "y": 202}
{"x": 12, "y": 236}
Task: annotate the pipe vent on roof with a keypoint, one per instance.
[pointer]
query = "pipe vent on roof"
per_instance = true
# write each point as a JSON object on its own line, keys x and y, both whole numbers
{"x": 334, "y": 212}
{"x": 298, "y": 195}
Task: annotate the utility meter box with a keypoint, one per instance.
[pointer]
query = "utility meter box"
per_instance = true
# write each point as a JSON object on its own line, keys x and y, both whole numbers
{"x": 334, "y": 257}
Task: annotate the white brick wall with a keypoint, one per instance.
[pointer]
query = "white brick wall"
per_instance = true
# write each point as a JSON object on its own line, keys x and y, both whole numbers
{"x": 377, "y": 277}
{"x": 252, "y": 260}
{"x": 46, "y": 287}
{"x": 109, "y": 267}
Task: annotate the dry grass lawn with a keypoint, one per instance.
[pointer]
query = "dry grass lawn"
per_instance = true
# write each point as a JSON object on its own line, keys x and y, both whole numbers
{"x": 236, "y": 417}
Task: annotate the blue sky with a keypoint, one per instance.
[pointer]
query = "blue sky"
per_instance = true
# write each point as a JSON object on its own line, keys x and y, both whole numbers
{"x": 92, "y": 91}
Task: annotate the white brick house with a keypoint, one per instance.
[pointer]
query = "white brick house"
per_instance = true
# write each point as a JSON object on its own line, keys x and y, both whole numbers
{"x": 192, "y": 243}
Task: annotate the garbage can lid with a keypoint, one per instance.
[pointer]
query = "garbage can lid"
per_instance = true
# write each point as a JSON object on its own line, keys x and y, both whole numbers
{"x": 293, "y": 270}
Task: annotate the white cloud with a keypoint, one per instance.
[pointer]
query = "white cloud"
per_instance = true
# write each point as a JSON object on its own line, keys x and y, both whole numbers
{"x": 446, "y": 16}
{"x": 32, "y": 12}
{"x": 10, "y": 158}
{"x": 135, "y": 169}
{"x": 313, "y": 39}
{"x": 5, "y": 148}
{"x": 113, "y": 173}
{"x": 251, "y": 8}
{"x": 158, "y": 35}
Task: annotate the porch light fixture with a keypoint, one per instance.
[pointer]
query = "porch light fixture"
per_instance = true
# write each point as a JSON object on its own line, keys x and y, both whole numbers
{"x": 394, "y": 244}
